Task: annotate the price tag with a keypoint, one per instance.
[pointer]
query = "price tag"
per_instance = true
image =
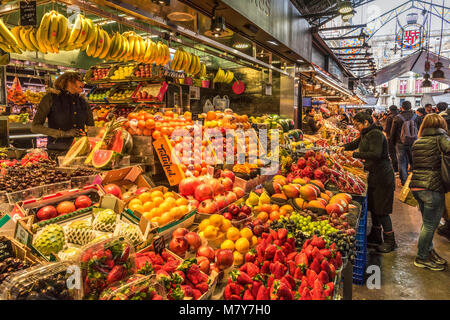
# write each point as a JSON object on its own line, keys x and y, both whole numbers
{"x": 158, "y": 244}
{"x": 28, "y": 13}
{"x": 6, "y": 250}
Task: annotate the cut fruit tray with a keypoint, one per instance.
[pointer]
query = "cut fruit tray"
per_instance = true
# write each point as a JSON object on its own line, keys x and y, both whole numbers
{"x": 152, "y": 89}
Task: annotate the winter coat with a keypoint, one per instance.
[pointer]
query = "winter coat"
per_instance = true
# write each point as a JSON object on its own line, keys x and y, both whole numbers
{"x": 309, "y": 125}
{"x": 427, "y": 159}
{"x": 389, "y": 118}
{"x": 373, "y": 149}
{"x": 397, "y": 122}
{"x": 446, "y": 116}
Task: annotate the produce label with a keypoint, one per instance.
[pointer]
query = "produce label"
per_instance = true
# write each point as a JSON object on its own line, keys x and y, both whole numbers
{"x": 159, "y": 244}
{"x": 173, "y": 171}
{"x": 6, "y": 249}
{"x": 28, "y": 13}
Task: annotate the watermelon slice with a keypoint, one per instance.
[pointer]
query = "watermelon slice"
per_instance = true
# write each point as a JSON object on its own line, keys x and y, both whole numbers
{"x": 93, "y": 141}
{"x": 102, "y": 159}
{"x": 122, "y": 142}
{"x": 80, "y": 147}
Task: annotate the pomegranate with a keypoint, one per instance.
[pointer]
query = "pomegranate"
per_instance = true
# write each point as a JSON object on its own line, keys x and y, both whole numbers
{"x": 113, "y": 189}
{"x": 204, "y": 264}
{"x": 228, "y": 174}
{"x": 180, "y": 232}
{"x": 204, "y": 192}
{"x": 193, "y": 240}
{"x": 187, "y": 186}
{"x": 46, "y": 212}
{"x": 178, "y": 245}
{"x": 216, "y": 186}
{"x": 221, "y": 202}
{"x": 227, "y": 183}
{"x": 208, "y": 206}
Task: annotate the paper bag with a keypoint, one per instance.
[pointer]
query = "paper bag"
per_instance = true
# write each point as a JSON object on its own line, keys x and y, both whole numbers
{"x": 406, "y": 195}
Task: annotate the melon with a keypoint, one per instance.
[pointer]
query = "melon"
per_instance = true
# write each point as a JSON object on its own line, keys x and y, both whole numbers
{"x": 102, "y": 159}
{"x": 122, "y": 142}
{"x": 80, "y": 147}
{"x": 93, "y": 141}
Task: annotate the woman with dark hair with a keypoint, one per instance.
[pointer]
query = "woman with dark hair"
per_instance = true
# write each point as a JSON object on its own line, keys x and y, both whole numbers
{"x": 373, "y": 150}
{"x": 68, "y": 113}
{"x": 427, "y": 186}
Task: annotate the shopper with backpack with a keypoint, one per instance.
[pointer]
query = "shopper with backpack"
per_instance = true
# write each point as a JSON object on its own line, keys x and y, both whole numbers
{"x": 403, "y": 135}
{"x": 429, "y": 183}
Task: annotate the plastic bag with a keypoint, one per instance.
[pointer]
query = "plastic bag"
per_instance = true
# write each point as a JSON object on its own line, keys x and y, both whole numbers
{"x": 104, "y": 263}
{"x": 136, "y": 287}
{"x": 208, "y": 106}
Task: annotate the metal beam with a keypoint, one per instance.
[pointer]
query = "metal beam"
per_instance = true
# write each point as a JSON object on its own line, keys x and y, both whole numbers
{"x": 345, "y": 48}
{"x": 342, "y": 27}
{"x": 343, "y": 37}
{"x": 352, "y": 54}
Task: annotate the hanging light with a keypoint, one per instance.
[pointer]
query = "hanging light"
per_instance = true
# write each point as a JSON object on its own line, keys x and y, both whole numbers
{"x": 345, "y": 7}
{"x": 426, "y": 83}
{"x": 347, "y": 16}
{"x": 438, "y": 73}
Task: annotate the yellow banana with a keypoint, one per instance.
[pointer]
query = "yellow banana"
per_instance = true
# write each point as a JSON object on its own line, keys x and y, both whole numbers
{"x": 153, "y": 49}
{"x": 90, "y": 33}
{"x": 167, "y": 54}
{"x": 180, "y": 60}
{"x": 26, "y": 39}
{"x": 174, "y": 61}
{"x": 16, "y": 33}
{"x": 64, "y": 45}
{"x": 199, "y": 65}
{"x": 44, "y": 27}
{"x": 32, "y": 36}
{"x": 106, "y": 46}
{"x": 76, "y": 30}
{"x": 5, "y": 47}
{"x": 100, "y": 43}
{"x": 84, "y": 32}
{"x": 54, "y": 28}
{"x": 62, "y": 29}
{"x": 7, "y": 35}
{"x": 90, "y": 50}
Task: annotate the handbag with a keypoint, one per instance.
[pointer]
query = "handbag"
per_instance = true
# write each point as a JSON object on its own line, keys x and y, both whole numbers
{"x": 445, "y": 168}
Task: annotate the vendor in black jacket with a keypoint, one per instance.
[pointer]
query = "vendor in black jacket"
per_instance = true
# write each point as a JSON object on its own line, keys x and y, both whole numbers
{"x": 68, "y": 113}
{"x": 373, "y": 150}
{"x": 309, "y": 125}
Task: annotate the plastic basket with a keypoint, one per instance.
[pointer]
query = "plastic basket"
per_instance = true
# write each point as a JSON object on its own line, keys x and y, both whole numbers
{"x": 359, "y": 266}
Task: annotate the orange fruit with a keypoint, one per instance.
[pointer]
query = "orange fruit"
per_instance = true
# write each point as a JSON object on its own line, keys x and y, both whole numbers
{"x": 148, "y": 116}
{"x": 147, "y": 215}
{"x": 169, "y": 114}
{"x": 156, "y": 220}
{"x": 216, "y": 220}
{"x": 171, "y": 201}
{"x": 141, "y": 124}
{"x": 211, "y": 115}
{"x": 157, "y": 193}
{"x": 232, "y": 233}
{"x": 265, "y": 207}
{"x": 227, "y": 244}
{"x": 145, "y": 196}
{"x": 133, "y": 115}
{"x": 184, "y": 209}
{"x": 226, "y": 224}
{"x": 242, "y": 245}
{"x": 156, "y": 212}
{"x": 150, "y": 124}
{"x": 148, "y": 206}
{"x": 156, "y": 135}
{"x": 169, "y": 195}
{"x": 134, "y": 201}
{"x": 246, "y": 233}
{"x": 238, "y": 258}
{"x": 181, "y": 202}
{"x": 157, "y": 201}
{"x": 165, "y": 207}
{"x": 210, "y": 232}
{"x": 165, "y": 218}
{"x": 263, "y": 216}
{"x": 202, "y": 226}
{"x": 176, "y": 213}
{"x": 275, "y": 207}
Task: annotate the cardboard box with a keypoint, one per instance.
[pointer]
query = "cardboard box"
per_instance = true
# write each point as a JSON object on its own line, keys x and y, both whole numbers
{"x": 123, "y": 176}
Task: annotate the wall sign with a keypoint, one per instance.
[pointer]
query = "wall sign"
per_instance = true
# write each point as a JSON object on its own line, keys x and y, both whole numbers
{"x": 28, "y": 13}
{"x": 411, "y": 36}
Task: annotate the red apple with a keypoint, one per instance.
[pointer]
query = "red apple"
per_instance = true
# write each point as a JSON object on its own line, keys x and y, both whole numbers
{"x": 239, "y": 192}
{"x": 82, "y": 202}
{"x": 193, "y": 240}
{"x": 203, "y": 192}
{"x": 227, "y": 183}
{"x": 228, "y": 216}
{"x": 228, "y": 174}
{"x": 113, "y": 189}
{"x": 224, "y": 258}
{"x": 206, "y": 251}
{"x": 180, "y": 232}
{"x": 246, "y": 209}
{"x": 178, "y": 245}
{"x": 208, "y": 206}
{"x": 141, "y": 190}
{"x": 46, "y": 212}
{"x": 187, "y": 186}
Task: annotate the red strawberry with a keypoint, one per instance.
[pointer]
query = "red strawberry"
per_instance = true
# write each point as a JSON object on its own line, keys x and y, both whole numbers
{"x": 325, "y": 266}
{"x": 315, "y": 265}
{"x": 306, "y": 295}
{"x": 323, "y": 276}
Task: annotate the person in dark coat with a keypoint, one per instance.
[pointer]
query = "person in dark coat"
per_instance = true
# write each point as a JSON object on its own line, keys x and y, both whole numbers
{"x": 309, "y": 125}
{"x": 403, "y": 151}
{"x": 393, "y": 111}
{"x": 428, "y": 188}
{"x": 429, "y": 108}
{"x": 373, "y": 150}
{"x": 67, "y": 112}
{"x": 420, "y": 112}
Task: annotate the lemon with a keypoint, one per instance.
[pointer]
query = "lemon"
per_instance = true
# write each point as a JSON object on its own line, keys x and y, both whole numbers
{"x": 233, "y": 233}
{"x": 227, "y": 244}
{"x": 246, "y": 233}
{"x": 226, "y": 224}
{"x": 210, "y": 232}
{"x": 238, "y": 258}
{"x": 202, "y": 226}
{"x": 242, "y": 245}
{"x": 216, "y": 220}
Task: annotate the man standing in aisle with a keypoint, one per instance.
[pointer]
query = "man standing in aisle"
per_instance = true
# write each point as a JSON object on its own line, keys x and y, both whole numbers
{"x": 444, "y": 111}
{"x": 428, "y": 108}
{"x": 420, "y": 112}
{"x": 309, "y": 124}
{"x": 403, "y": 134}
{"x": 393, "y": 111}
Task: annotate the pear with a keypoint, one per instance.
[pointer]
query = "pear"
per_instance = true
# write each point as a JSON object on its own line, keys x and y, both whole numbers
{"x": 253, "y": 199}
{"x": 264, "y": 198}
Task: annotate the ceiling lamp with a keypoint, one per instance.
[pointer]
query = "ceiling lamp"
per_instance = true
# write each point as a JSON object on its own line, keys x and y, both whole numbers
{"x": 426, "y": 83}
{"x": 438, "y": 73}
{"x": 345, "y": 7}
{"x": 241, "y": 45}
{"x": 347, "y": 16}
{"x": 162, "y": 2}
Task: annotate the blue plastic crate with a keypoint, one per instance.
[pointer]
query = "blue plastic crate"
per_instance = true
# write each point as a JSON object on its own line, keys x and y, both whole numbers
{"x": 359, "y": 267}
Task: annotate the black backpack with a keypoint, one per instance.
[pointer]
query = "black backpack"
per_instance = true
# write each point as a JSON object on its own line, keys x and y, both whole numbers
{"x": 408, "y": 132}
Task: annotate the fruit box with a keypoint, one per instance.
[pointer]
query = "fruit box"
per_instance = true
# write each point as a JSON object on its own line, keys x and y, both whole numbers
{"x": 124, "y": 176}
{"x": 156, "y": 73}
{"x": 79, "y": 162}
{"x": 121, "y": 87}
{"x": 132, "y": 288}
{"x": 11, "y": 248}
{"x": 151, "y": 229}
{"x": 94, "y": 91}
{"x": 20, "y": 284}
{"x": 151, "y": 97}
{"x": 26, "y": 227}
{"x": 213, "y": 277}
{"x": 37, "y": 192}
{"x": 88, "y": 77}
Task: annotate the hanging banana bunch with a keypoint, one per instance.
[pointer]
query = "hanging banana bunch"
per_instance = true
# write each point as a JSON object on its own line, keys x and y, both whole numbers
{"x": 8, "y": 41}
{"x": 187, "y": 62}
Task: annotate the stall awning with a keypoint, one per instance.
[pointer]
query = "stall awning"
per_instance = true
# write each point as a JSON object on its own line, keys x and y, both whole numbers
{"x": 415, "y": 63}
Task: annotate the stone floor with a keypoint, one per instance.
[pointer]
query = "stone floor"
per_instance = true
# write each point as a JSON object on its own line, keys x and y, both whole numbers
{"x": 400, "y": 279}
